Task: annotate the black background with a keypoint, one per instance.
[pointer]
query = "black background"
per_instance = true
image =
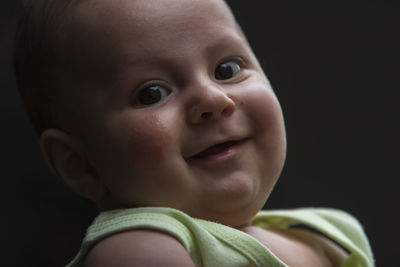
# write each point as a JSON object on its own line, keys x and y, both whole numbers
{"x": 334, "y": 66}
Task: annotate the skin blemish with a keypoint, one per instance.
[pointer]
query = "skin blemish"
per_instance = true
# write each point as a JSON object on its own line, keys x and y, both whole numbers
{"x": 149, "y": 140}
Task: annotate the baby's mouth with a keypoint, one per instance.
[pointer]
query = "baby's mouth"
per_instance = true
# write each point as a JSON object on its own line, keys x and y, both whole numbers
{"x": 217, "y": 149}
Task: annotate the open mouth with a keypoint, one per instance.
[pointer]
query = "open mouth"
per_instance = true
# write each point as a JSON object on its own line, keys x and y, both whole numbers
{"x": 218, "y": 149}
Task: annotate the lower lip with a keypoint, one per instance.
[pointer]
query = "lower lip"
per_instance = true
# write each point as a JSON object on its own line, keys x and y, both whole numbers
{"x": 222, "y": 156}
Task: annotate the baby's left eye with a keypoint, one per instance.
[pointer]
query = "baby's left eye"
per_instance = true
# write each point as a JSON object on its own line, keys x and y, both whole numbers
{"x": 226, "y": 70}
{"x": 151, "y": 95}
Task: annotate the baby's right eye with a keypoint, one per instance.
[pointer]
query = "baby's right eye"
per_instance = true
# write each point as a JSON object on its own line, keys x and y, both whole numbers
{"x": 151, "y": 95}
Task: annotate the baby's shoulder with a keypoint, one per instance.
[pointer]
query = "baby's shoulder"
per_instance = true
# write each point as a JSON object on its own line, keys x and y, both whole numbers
{"x": 138, "y": 248}
{"x": 288, "y": 244}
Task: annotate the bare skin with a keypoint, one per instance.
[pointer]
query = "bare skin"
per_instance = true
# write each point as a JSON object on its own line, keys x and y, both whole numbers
{"x": 297, "y": 248}
{"x": 288, "y": 244}
{"x": 187, "y": 123}
{"x": 139, "y": 248}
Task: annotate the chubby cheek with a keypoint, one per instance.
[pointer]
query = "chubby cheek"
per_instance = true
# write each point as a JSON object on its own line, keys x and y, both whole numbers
{"x": 148, "y": 140}
{"x": 264, "y": 111}
{"x": 262, "y": 107}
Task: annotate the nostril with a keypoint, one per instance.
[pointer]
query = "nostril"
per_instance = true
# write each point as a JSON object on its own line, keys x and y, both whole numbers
{"x": 206, "y": 115}
{"x": 226, "y": 112}
{"x": 211, "y": 104}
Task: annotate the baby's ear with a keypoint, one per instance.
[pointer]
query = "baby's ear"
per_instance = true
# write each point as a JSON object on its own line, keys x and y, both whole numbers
{"x": 67, "y": 158}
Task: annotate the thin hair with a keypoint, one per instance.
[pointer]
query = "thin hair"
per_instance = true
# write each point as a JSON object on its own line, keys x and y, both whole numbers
{"x": 39, "y": 59}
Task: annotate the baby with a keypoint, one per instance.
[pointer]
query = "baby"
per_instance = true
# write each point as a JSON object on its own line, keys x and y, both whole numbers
{"x": 159, "y": 113}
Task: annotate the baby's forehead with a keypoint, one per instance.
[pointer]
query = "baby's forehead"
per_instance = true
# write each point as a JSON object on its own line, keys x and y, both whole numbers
{"x": 107, "y": 25}
{"x": 141, "y": 12}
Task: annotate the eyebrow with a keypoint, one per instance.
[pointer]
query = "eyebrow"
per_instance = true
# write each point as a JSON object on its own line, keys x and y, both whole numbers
{"x": 225, "y": 41}
{"x": 213, "y": 47}
{"x": 233, "y": 42}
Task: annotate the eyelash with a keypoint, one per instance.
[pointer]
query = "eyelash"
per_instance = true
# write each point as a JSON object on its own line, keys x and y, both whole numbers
{"x": 154, "y": 85}
{"x": 159, "y": 85}
{"x": 233, "y": 71}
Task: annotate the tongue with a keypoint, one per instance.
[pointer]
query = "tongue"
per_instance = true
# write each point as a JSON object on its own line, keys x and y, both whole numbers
{"x": 215, "y": 149}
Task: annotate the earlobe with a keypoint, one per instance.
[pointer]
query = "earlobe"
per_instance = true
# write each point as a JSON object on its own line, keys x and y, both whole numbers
{"x": 67, "y": 159}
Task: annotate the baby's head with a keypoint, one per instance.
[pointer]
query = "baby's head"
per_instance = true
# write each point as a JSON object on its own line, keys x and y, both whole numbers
{"x": 152, "y": 103}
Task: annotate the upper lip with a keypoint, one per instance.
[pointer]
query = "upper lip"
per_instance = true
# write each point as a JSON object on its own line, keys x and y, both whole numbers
{"x": 202, "y": 148}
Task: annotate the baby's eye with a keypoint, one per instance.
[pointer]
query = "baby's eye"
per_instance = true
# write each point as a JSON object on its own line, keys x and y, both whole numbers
{"x": 226, "y": 70}
{"x": 151, "y": 95}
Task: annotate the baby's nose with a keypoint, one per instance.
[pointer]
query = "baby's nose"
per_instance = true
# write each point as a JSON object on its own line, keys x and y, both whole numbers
{"x": 209, "y": 103}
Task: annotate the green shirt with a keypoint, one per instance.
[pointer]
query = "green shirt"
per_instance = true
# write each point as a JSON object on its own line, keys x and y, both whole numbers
{"x": 211, "y": 244}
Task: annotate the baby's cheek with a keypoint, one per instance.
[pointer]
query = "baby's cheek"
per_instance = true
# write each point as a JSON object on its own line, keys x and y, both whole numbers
{"x": 263, "y": 108}
{"x": 149, "y": 140}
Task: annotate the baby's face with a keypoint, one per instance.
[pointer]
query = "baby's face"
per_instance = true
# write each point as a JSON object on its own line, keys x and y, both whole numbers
{"x": 188, "y": 119}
